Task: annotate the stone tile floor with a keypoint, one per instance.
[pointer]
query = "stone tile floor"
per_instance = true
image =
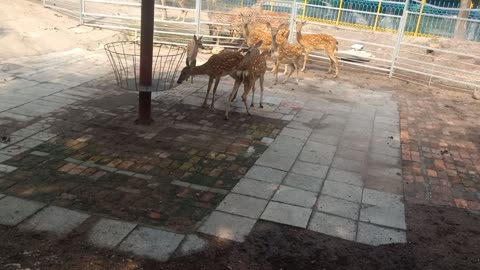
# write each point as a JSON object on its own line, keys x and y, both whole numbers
{"x": 327, "y": 159}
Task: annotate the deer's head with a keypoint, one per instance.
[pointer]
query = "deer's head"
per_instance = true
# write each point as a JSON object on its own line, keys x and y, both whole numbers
{"x": 198, "y": 42}
{"x": 185, "y": 74}
{"x": 300, "y": 25}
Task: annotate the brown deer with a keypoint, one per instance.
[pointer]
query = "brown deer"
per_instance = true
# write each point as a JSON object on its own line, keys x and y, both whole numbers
{"x": 255, "y": 32}
{"x": 192, "y": 51}
{"x": 216, "y": 67}
{"x": 251, "y": 69}
{"x": 318, "y": 42}
{"x": 181, "y": 3}
{"x": 287, "y": 53}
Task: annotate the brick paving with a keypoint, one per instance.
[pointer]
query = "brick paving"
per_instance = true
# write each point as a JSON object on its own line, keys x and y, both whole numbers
{"x": 440, "y": 152}
{"x": 327, "y": 157}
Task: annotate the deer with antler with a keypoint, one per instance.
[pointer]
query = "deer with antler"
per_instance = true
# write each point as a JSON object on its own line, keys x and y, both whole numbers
{"x": 287, "y": 53}
{"x": 192, "y": 51}
{"x": 318, "y": 42}
{"x": 251, "y": 69}
{"x": 216, "y": 67}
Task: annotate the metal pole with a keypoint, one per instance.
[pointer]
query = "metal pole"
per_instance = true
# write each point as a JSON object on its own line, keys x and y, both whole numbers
{"x": 401, "y": 30}
{"x": 304, "y": 9}
{"x": 293, "y": 15}
{"x": 44, "y": 3}
{"x": 198, "y": 11}
{"x": 146, "y": 54}
{"x": 339, "y": 12}
{"x": 82, "y": 10}
{"x": 419, "y": 18}
{"x": 378, "y": 13}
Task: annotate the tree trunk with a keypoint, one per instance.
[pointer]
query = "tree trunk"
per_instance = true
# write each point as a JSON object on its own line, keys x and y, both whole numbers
{"x": 461, "y": 25}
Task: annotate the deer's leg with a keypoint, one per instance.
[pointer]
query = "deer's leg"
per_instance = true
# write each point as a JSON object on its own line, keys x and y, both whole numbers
{"x": 193, "y": 63}
{"x": 262, "y": 78}
{"x": 217, "y": 81}
{"x": 294, "y": 67}
{"x": 210, "y": 81}
{"x": 232, "y": 96}
{"x": 253, "y": 94}
{"x": 247, "y": 85}
{"x": 185, "y": 13}
{"x": 276, "y": 72}
{"x": 285, "y": 71}
{"x": 297, "y": 68}
{"x": 305, "y": 59}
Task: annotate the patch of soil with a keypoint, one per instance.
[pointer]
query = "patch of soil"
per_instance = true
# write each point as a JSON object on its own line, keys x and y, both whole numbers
{"x": 438, "y": 238}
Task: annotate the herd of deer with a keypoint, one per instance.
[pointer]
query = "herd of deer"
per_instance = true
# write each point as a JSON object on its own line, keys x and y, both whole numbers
{"x": 262, "y": 38}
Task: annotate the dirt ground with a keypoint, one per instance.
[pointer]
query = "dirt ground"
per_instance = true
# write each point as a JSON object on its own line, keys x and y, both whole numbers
{"x": 438, "y": 238}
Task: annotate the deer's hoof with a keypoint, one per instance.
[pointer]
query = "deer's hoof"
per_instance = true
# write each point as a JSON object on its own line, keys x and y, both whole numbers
{"x": 251, "y": 105}
{"x": 261, "y": 105}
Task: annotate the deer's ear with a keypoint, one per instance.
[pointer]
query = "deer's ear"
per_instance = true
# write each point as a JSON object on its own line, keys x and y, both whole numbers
{"x": 269, "y": 26}
{"x": 200, "y": 38}
{"x": 195, "y": 37}
{"x": 258, "y": 44}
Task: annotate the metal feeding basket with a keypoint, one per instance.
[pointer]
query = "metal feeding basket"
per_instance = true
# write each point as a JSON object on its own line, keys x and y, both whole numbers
{"x": 125, "y": 59}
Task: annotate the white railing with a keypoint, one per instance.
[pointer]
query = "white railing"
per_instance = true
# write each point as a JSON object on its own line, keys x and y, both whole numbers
{"x": 399, "y": 42}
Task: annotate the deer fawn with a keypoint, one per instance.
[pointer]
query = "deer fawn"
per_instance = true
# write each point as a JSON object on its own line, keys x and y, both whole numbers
{"x": 288, "y": 54}
{"x": 318, "y": 42}
{"x": 217, "y": 66}
{"x": 192, "y": 51}
{"x": 251, "y": 69}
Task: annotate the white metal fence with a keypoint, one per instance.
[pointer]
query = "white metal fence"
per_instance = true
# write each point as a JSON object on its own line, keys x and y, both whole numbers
{"x": 411, "y": 40}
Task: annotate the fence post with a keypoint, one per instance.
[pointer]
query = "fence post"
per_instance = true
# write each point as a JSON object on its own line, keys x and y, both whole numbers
{"x": 419, "y": 17}
{"x": 198, "y": 11}
{"x": 43, "y": 3}
{"x": 378, "y": 13}
{"x": 304, "y": 9}
{"x": 293, "y": 16}
{"x": 241, "y": 4}
{"x": 398, "y": 41}
{"x": 339, "y": 12}
{"x": 82, "y": 10}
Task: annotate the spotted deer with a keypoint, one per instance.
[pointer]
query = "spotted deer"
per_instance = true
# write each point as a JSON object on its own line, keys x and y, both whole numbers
{"x": 182, "y": 4}
{"x": 251, "y": 69}
{"x": 286, "y": 53}
{"x": 318, "y": 42}
{"x": 254, "y": 32}
{"x": 192, "y": 51}
{"x": 216, "y": 67}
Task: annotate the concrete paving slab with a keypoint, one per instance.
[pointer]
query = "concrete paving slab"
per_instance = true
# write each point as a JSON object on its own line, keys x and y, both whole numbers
{"x": 355, "y": 144}
{"x": 305, "y": 182}
{"x": 191, "y": 244}
{"x": 385, "y": 216}
{"x": 152, "y": 243}
{"x": 376, "y": 235}
{"x": 384, "y": 184}
{"x": 347, "y": 177}
{"x": 295, "y": 133}
{"x": 325, "y": 139}
{"x": 385, "y": 171}
{"x": 13, "y": 150}
{"x": 351, "y": 154}
{"x": 380, "y": 159}
{"x": 53, "y": 219}
{"x": 108, "y": 233}
{"x": 254, "y": 188}
{"x": 310, "y": 169}
{"x": 29, "y": 143}
{"x": 382, "y": 199}
{"x": 314, "y": 152}
{"x": 287, "y": 214}
{"x": 242, "y": 205}
{"x": 339, "y": 207}
{"x": 386, "y": 150}
{"x": 266, "y": 174}
{"x": 333, "y": 225}
{"x": 227, "y": 226}
{"x": 286, "y": 146}
{"x": 24, "y": 132}
{"x": 271, "y": 159}
{"x": 43, "y": 136}
{"x": 14, "y": 210}
{"x": 290, "y": 195}
{"x": 7, "y": 169}
{"x": 299, "y": 125}
{"x": 342, "y": 191}
{"x": 2, "y": 195}
{"x": 349, "y": 165}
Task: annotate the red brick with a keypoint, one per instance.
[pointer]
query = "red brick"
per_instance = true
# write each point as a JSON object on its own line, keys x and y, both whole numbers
{"x": 78, "y": 170}
{"x": 473, "y": 205}
{"x": 432, "y": 173}
{"x": 67, "y": 167}
{"x": 460, "y": 203}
